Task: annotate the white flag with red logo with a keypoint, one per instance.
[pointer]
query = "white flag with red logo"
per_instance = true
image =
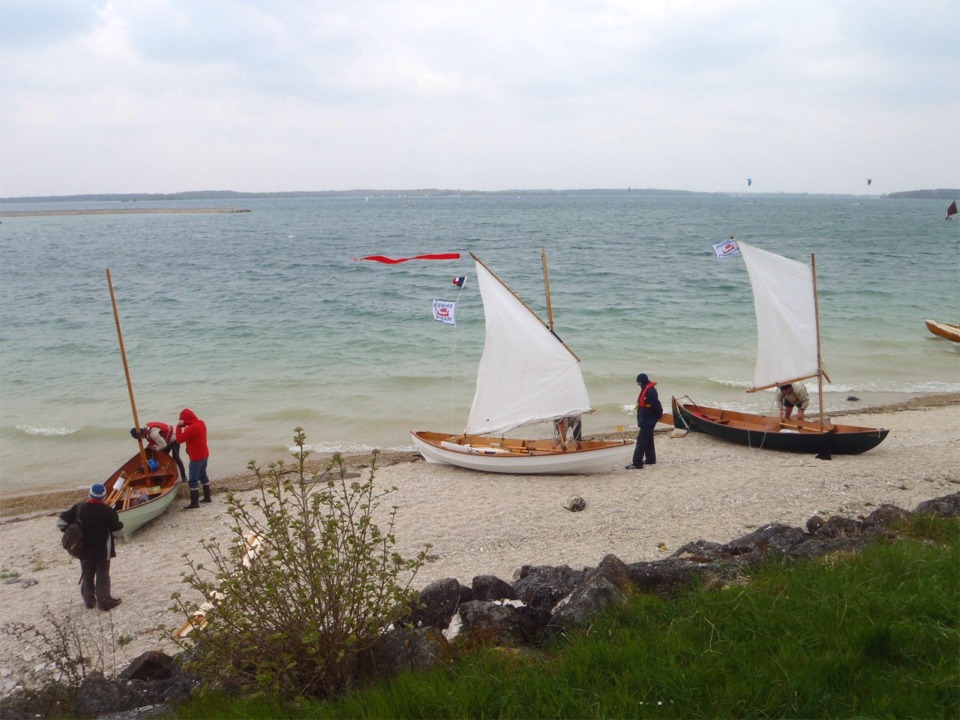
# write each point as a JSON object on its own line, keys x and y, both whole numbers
{"x": 445, "y": 311}
{"x": 726, "y": 249}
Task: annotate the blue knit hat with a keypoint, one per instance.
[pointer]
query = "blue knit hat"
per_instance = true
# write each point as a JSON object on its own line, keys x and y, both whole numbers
{"x": 98, "y": 491}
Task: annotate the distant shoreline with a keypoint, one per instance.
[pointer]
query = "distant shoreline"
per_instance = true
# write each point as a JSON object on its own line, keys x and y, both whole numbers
{"x": 120, "y": 211}
{"x": 215, "y": 195}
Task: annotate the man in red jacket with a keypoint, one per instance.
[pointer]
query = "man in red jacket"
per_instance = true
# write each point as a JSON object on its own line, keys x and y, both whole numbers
{"x": 192, "y": 432}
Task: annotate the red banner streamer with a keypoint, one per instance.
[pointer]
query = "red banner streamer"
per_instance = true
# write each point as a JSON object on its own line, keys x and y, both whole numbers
{"x": 394, "y": 261}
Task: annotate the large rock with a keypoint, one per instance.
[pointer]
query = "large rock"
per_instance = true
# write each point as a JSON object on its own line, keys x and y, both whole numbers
{"x": 669, "y": 576}
{"x": 438, "y": 603}
{"x": 946, "y": 506}
{"x": 773, "y": 539}
{"x": 543, "y": 586}
{"x": 505, "y": 624}
{"x": 490, "y": 587}
{"x": 605, "y": 586}
{"x": 402, "y": 649}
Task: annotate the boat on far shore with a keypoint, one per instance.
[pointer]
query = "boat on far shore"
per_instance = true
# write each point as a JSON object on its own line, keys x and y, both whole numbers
{"x": 944, "y": 330}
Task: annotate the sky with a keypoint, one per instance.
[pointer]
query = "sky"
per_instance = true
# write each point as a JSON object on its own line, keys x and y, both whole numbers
{"x": 163, "y": 96}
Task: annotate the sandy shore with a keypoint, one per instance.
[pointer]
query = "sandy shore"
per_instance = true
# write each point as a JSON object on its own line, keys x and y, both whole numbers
{"x": 481, "y": 524}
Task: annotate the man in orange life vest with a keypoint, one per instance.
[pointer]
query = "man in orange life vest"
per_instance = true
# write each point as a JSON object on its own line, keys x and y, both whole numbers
{"x": 649, "y": 411}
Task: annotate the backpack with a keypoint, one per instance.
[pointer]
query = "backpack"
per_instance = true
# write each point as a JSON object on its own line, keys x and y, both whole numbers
{"x": 72, "y": 539}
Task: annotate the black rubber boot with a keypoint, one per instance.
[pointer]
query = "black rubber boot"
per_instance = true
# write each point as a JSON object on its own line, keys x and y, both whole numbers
{"x": 194, "y": 500}
{"x": 206, "y": 493}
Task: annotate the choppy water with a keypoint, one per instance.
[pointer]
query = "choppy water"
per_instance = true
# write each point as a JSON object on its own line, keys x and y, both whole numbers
{"x": 261, "y": 321}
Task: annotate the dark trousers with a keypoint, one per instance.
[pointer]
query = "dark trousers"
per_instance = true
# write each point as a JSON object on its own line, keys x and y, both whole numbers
{"x": 644, "y": 447}
{"x": 173, "y": 449}
{"x": 95, "y": 583}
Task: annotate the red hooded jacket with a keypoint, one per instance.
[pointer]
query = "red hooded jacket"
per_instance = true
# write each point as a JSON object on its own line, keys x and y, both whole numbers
{"x": 192, "y": 432}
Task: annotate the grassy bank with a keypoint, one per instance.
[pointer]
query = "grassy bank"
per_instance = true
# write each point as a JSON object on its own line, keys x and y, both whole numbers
{"x": 870, "y": 634}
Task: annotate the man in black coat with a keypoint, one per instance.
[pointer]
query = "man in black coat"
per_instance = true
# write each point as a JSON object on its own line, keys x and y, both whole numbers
{"x": 649, "y": 412}
{"x": 101, "y": 525}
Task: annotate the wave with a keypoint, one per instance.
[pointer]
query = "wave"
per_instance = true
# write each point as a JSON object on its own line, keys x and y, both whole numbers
{"x": 344, "y": 448}
{"x": 48, "y": 431}
{"x": 746, "y": 384}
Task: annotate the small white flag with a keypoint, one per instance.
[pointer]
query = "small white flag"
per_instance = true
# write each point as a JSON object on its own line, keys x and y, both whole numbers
{"x": 445, "y": 311}
{"x": 727, "y": 249}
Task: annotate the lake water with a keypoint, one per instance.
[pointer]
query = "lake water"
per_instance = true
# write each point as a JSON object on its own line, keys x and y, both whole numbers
{"x": 262, "y": 321}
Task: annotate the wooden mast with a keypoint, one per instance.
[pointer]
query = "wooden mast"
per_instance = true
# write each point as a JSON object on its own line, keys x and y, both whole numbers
{"x": 126, "y": 370}
{"x": 521, "y": 301}
{"x": 816, "y": 313}
{"x": 546, "y": 285}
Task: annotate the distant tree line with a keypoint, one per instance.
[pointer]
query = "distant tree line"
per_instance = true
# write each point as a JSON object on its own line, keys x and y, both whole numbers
{"x": 938, "y": 194}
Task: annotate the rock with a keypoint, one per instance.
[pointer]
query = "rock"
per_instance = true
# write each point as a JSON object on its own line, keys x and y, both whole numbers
{"x": 814, "y": 524}
{"x": 438, "y": 603}
{"x": 403, "y": 649}
{"x": 668, "y": 576}
{"x": 490, "y": 587}
{"x": 601, "y": 588}
{"x": 491, "y": 623}
{"x": 774, "y": 538}
{"x": 151, "y": 665}
{"x": 840, "y": 528}
{"x": 885, "y": 516}
{"x": 543, "y": 586}
{"x": 98, "y": 697}
{"x": 946, "y": 506}
{"x": 575, "y": 504}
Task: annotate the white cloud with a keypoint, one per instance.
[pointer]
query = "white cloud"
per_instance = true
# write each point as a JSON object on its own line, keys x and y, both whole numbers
{"x": 168, "y": 95}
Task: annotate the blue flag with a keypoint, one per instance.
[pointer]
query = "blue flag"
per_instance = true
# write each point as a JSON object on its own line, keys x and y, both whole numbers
{"x": 459, "y": 281}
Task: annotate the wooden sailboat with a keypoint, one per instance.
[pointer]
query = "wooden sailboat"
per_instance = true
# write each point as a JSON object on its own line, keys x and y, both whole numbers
{"x": 788, "y": 351}
{"x": 145, "y": 485}
{"x": 527, "y": 375}
{"x": 944, "y": 330}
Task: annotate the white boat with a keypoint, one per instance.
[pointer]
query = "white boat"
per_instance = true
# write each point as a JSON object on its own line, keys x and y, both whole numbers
{"x": 527, "y": 375}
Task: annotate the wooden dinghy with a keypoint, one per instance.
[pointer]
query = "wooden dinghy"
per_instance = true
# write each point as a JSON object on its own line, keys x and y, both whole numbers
{"x": 527, "y": 375}
{"x": 788, "y": 351}
{"x": 516, "y": 456}
{"x": 762, "y": 431}
{"x": 944, "y": 330}
{"x": 140, "y": 494}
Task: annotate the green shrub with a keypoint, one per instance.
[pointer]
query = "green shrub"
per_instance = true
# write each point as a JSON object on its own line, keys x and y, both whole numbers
{"x": 324, "y": 585}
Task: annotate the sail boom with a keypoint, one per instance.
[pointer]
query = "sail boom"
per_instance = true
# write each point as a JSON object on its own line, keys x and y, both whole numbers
{"x": 778, "y": 383}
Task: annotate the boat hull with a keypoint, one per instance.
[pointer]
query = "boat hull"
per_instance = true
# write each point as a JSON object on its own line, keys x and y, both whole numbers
{"x": 769, "y": 433}
{"x": 522, "y": 457}
{"x": 944, "y": 330}
{"x": 143, "y": 494}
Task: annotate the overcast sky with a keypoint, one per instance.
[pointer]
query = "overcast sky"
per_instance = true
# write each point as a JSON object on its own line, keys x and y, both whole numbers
{"x": 272, "y": 95}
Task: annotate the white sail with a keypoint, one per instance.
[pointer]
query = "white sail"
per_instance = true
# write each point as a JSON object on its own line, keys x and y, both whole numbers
{"x": 783, "y": 298}
{"x": 526, "y": 375}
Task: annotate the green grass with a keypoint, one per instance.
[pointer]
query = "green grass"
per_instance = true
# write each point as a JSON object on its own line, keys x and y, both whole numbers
{"x": 867, "y": 635}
